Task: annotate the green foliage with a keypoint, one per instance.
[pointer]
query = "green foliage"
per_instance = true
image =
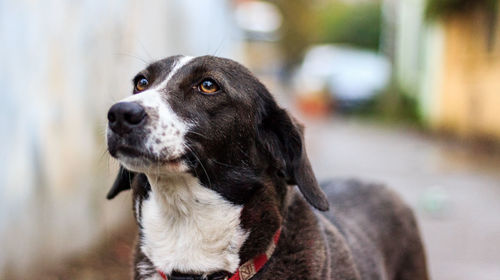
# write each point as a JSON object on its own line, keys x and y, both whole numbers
{"x": 441, "y": 8}
{"x": 299, "y": 29}
{"x": 358, "y": 25}
{"x": 308, "y": 22}
{"x": 395, "y": 104}
{"x": 392, "y": 105}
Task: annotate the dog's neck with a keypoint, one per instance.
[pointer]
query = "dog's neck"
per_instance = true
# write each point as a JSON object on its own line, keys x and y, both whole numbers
{"x": 189, "y": 228}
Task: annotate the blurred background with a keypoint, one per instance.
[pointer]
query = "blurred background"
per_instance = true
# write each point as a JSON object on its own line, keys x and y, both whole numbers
{"x": 402, "y": 92}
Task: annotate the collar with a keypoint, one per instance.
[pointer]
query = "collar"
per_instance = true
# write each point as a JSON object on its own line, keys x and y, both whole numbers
{"x": 244, "y": 272}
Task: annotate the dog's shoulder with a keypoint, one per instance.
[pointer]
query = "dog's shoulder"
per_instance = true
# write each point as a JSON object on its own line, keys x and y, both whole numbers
{"x": 373, "y": 218}
{"x": 311, "y": 244}
{"x": 368, "y": 203}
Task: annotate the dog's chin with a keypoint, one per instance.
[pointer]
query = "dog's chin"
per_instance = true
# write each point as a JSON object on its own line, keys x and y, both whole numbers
{"x": 137, "y": 161}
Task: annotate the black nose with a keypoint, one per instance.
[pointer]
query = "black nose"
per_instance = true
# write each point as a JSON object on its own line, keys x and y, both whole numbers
{"x": 125, "y": 116}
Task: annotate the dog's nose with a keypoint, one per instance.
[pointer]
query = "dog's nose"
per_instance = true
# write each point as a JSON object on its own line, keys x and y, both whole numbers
{"x": 125, "y": 116}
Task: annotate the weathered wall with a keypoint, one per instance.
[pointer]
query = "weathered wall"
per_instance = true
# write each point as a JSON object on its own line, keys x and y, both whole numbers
{"x": 62, "y": 63}
{"x": 470, "y": 90}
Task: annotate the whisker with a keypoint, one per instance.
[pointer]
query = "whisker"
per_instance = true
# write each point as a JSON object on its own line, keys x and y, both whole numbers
{"x": 197, "y": 133}
{"x": 220, "y": 45}
{"x": 241, "y": 150}
{"x": 145, "y": 50}
{"x": 103, "y": 154}
{"x": 223, "y": 164}
{"x": 198, "y": 159}
{"x": 133, "y": 56}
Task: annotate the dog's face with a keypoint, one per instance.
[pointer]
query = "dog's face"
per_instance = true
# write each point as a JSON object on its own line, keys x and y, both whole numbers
{"x": 212, "y": 118}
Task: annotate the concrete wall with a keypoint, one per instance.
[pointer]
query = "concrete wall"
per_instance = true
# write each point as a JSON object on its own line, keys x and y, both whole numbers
{"x": 62, "y": 64}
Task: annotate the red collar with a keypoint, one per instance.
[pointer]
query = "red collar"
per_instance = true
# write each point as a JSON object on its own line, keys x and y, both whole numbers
{"x": 251, "y": 267}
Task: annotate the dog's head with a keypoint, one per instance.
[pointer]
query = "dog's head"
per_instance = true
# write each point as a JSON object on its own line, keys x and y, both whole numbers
{"x": 212, "y": 118}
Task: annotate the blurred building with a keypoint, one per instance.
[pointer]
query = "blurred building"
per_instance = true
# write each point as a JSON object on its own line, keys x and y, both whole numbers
{"x": 448, "y": 57}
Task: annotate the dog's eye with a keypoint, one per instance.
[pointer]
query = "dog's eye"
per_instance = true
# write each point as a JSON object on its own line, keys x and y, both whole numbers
{"x": 142, "y": 83}
{"x": 208, "y": 86}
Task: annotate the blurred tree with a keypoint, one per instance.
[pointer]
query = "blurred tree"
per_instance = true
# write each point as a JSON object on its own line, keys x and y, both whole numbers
{"x": 307, "y": 22}
{"x": 354, "y": 24}
{"x": 299, "y": 30}
{"x": 440, "y": 8}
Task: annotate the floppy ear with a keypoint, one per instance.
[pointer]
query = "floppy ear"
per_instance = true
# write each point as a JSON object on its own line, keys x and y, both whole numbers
{"x": 283, "y": 138}
{"x": 122, "y": 182}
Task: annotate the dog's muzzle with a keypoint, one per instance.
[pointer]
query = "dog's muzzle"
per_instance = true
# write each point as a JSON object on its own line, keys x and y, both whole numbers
{"x": 123, "y": 117}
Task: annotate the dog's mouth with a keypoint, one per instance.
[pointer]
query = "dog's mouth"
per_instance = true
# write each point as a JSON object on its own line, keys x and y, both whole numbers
{"x": 129, "y": 151}
{"x": 135, "y": 153}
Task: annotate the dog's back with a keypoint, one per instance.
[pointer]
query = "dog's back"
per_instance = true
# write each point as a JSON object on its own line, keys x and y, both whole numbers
{"x": 379, "y": 228}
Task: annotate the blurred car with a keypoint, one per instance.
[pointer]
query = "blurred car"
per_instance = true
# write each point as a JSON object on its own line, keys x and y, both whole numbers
{"x": 346, "y": 76}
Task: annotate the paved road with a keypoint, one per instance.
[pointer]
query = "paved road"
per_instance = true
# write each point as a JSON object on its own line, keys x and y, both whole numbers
{"x": 456, "y": 193}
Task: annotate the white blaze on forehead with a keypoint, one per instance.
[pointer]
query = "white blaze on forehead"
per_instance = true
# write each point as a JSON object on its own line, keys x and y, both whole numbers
{"x": 181, "y": 62}
{"x": 165, "y": 129}
{"x": 178, "y": 65}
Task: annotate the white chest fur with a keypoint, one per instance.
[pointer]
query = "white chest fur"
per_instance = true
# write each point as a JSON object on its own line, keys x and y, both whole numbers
{"x": 189, "y": 228}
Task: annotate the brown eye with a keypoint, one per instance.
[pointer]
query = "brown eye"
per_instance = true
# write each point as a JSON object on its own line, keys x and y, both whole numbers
{"x": 142, "y": 84}
{"x": 208, "y": 86}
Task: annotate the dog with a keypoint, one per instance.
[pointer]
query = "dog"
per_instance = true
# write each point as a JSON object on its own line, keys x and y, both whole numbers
{"x": 223, "y": 188}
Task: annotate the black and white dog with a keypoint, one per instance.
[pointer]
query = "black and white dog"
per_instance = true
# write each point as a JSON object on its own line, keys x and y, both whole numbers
{"x": 213, "y": 162}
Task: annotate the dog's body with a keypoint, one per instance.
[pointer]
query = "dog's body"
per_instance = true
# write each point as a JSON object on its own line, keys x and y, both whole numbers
{"x": 213, "y": 162}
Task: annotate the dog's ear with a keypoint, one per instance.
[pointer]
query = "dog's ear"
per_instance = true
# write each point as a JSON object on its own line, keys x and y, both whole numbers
{"x": 122, "y": 182}
{"x": 283, "y": 138}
